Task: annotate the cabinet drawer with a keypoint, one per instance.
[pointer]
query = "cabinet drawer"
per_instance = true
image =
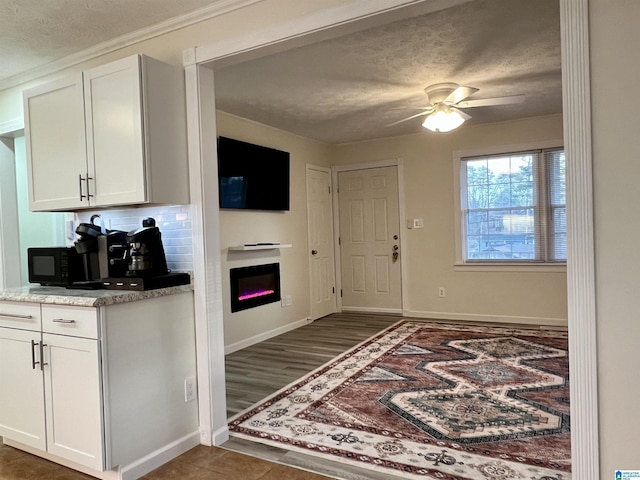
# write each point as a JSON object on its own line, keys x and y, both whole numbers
{"x": 20, "y": 315}
{"x": 69, "y": 320}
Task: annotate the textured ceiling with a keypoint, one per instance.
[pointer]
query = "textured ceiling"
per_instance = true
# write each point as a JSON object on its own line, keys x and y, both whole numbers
{"x": 36, "y": 32}
{"x": 341, "y": 90}
{"x": 350, "y": 88}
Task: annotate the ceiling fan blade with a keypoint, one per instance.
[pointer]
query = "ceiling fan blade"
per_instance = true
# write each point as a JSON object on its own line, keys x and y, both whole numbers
{"x": 461, "y": 113}
{"x": 410, "y": 118}
{"x": 486, "y": 102}
{"x": 459, "y": 94}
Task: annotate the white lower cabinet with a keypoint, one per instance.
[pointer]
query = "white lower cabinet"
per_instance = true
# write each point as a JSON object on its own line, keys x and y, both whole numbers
{"x": 99, "y": 389}
{"x": 51, "y": 385}
{"x": 21, "y": 390}
{"x": 72, "y": 399}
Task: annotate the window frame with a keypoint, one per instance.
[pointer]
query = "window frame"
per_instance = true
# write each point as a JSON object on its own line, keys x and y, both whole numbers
{"x": 543, "y": 205}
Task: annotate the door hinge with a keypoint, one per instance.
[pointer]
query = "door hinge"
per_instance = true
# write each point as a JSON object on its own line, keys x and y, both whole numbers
{"x": 329, "y": 190}
{"x": 339, "y": 241}
{"x": 333, "y": 289}
{"x": 340, "y": 293}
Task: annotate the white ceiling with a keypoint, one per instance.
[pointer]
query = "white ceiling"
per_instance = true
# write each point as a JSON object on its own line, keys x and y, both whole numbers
{"x": 340, "y": 90}
{"x": 36, "y": 32}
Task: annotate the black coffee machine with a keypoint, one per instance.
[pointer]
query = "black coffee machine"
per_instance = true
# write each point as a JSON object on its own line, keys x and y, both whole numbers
{"x": 146, "y": 263}
{"x": 145, "y": 256}
{"x": 100, "y": 251}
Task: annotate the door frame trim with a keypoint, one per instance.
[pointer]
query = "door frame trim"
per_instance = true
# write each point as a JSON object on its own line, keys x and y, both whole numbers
{"x": 335, "y": 170}
{"x": 574, "y": 27}
{"x": 10, "y": 262}
{"x": 327, "y": 170}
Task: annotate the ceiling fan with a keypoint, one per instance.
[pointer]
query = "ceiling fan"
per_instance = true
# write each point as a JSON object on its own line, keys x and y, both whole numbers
{"x": 445, "y": 100}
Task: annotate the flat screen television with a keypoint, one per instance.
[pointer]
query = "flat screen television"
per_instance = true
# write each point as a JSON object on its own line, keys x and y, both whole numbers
{"x": 251, "y": 176}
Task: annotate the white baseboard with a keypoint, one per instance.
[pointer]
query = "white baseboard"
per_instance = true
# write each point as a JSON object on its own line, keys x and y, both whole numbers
{"x": 160, "y": 457}
{"x": 234, "y": 347}
{"x": 221, "y": 435}
{"x": 393, "y": 311}
{"x": 477, "y": 317}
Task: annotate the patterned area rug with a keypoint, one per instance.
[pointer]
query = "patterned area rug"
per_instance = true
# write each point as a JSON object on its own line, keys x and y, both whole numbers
{"x": 427, "y": 400}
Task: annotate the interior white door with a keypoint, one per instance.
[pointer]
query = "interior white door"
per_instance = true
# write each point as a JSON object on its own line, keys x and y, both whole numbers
{"x": 321, "y": 251}
{"x": 370, "y": 240}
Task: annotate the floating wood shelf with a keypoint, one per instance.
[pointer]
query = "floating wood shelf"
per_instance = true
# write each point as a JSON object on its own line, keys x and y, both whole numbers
{"x": 260, "y": 246}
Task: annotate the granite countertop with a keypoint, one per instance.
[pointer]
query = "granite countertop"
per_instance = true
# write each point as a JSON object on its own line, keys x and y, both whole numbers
{"x": 85, "y": 298}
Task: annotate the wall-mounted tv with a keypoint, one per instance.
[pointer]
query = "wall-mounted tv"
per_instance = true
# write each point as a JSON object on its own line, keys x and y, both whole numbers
{"x": 251, "y": 176}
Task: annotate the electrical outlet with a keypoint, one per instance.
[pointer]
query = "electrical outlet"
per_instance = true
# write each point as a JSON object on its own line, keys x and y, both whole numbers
{"x": 189, "y": 389}
{"x": 441, "y": 292}
{"x": 288, "y": 300}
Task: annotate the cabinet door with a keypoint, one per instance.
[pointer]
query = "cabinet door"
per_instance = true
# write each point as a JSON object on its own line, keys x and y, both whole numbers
{"x": 55, "y": 144}
{"x": 21, "y": 393}
{"x": 73, "y": 399}
{"x": 115, "y": 145}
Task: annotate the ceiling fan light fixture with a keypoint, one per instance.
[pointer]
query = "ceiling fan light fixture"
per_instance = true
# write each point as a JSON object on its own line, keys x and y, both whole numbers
{"x": 444, "y": 119}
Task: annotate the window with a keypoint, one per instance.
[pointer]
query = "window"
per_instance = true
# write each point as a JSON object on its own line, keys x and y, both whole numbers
{"x": 512, "y": 207}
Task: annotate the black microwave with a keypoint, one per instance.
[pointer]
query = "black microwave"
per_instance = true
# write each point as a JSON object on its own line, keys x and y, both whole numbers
{"x": 55, "y": 266}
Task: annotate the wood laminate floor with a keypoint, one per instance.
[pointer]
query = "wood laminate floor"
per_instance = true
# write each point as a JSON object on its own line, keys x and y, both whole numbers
{"x": 257, "y": 371}
{"x": 252, "y": 374}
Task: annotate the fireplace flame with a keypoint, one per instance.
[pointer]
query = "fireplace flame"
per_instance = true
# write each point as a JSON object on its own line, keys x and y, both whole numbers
{"x": 259, "y": 293}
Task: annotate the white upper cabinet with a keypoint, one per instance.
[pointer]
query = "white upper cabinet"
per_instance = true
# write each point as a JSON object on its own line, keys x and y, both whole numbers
{"x": 55, "y": 144}
{"x": 120, "y": 140}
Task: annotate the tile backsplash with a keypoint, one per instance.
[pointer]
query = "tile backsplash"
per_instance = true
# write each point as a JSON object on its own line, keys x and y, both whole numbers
{"x": 174, "y": 222}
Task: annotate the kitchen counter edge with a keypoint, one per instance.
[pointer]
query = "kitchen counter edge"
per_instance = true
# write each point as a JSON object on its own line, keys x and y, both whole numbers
{"x": 85, "y": 298}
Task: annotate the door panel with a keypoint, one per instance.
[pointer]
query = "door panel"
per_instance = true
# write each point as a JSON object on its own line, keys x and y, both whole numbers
{"x": 369, "y": 232}
{"x": 55, "y": 144}
{"x": 113, "y": 111}
{"x": 21, "y": 391}
{"x": 321, "y": 255}
{"x": 74, "y": 405}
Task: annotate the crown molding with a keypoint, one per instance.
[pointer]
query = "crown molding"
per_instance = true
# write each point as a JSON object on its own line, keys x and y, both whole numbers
{"x": 11, "y": 128}
{"x": 216, "y": 9}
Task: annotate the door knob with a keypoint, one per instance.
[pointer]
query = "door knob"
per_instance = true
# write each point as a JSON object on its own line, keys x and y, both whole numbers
{"x": 314, "y": 252}
{"x": 395, "y": 248}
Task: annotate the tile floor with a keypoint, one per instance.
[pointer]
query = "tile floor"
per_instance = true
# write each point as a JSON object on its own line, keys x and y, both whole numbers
{"x": 199, "y": 463}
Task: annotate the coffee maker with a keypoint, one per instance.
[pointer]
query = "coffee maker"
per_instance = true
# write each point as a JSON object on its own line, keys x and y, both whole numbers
{"x": 100, "y": 252}
{"x": 146, "y": 263}
{"x": 145, "y": 255}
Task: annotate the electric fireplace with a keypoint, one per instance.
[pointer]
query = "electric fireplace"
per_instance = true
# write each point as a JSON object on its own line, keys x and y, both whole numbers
{"x": 254, "y": 286}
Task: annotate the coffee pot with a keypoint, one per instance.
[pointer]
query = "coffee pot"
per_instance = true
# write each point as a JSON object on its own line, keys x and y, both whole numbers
{"x": 145, "y": 253}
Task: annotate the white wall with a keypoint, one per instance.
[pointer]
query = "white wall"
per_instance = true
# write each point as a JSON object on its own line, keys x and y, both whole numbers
{"x": 238, "y": 227}
{"x": 614, "y": 40}
{"x": 37, "y": 229}
{"x": 9, "y": 242}
{"x": 530, "y": 296}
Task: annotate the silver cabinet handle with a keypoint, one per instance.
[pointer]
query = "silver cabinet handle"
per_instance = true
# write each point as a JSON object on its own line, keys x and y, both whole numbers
{"x": 42, "y": 362}
{"x": 80, "y": 179}
{"x": 13, "y": 315}
{"x": 88, "y": 192}
{"x": 33, "y": 354}
{"x": 62, "y": 320}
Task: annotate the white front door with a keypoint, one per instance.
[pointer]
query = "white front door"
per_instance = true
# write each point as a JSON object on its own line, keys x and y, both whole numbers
{"x": 321, "y": 253}
{"x": 370, "y": 240}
